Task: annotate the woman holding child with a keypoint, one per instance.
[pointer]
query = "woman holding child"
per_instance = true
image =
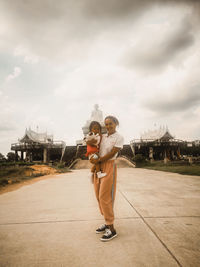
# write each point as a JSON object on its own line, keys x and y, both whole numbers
{"x": 105, "y": 178}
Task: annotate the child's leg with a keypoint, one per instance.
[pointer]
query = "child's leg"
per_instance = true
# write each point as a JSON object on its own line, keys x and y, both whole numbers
{"x": 98, "y": 168}
{"x": 100, "y": 174}
{"x": 93, "y": 168}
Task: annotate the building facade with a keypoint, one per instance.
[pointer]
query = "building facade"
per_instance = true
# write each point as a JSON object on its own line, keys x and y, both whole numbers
{"x": 35, "y": 146}
{"x": 157, "y": 144}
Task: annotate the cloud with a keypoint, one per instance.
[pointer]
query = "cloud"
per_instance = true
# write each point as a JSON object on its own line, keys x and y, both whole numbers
{"x": 114, "y": 9}
{"x": 156, "y": 53}
{"x": 67, "y": 30}
{"x": 97, "y": 83}
{"x": 179, "y": 100}
{"x": 177, "y": 90}
{"x": 7, "y": 128}
{"x": 16, "y": 72}
{"x": 28, "y": 56}
{"x": 78, "y": 45}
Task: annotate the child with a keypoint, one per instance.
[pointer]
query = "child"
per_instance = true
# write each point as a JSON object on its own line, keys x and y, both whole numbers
{"x": 92, "y": 150}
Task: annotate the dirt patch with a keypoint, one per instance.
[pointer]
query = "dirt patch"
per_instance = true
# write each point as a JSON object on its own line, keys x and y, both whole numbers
{"x": 43, "y": 169}
{"x": 30, "y": 175}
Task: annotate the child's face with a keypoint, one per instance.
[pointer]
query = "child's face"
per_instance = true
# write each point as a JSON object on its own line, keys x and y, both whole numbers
{"x": 96, "y": 129}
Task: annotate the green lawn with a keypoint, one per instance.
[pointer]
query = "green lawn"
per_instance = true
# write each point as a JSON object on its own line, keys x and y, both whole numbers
{"x": 173, "y": 167}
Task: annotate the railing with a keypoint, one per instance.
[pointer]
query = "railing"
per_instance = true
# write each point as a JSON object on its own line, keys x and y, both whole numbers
{"x": 156, "y": 142}
{"x": 170, "y": 142}
{"x": 24, "y": 146}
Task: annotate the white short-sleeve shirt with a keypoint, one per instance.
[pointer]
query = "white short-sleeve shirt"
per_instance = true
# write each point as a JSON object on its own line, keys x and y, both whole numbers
{"x": 110, "y": 141}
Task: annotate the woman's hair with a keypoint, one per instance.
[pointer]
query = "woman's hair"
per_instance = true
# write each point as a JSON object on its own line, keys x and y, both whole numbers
{"x": 94, "y": 123}
{"x": 114, "y": 119}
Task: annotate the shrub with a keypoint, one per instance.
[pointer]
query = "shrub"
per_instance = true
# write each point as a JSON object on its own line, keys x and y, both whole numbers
{"x": 139, "y": 158}
{"x": 61, "y": 165}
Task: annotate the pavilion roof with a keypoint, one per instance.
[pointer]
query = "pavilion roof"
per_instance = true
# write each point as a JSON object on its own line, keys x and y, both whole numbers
{"x": 158, "y": 134}
{"x": 33, "y": 136}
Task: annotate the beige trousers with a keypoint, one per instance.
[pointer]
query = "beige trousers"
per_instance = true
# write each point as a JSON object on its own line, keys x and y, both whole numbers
{"x": 105, "y": 190}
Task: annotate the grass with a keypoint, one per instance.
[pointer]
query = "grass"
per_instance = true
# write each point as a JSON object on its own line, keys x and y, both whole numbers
{"x": 15, "y": 164}
{"x": 6, "y": 171}
{"x": 61, "y": 168}
{"x": 176, "y": 167}
{"x": 14, "y": 174}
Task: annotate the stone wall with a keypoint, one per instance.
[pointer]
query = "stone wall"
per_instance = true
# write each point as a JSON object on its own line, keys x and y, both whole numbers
{"x": 69, "y": 154}
{"x": 126, "y": 151}
{"x": 74, "y": 152}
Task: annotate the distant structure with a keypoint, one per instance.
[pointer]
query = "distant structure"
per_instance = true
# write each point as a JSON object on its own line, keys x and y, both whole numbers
{"x": 35, "y": 146}
{"x": 161, "y": 134}
{"x": 157, "y": 144}
{"x": 96, "y": 115}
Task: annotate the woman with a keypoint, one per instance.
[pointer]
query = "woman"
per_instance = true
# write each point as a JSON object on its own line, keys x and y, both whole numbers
{"x": 105, "y": 188}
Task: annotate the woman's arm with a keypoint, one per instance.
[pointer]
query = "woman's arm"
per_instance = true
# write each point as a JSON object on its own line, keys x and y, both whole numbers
{"x": 107, "y": 156}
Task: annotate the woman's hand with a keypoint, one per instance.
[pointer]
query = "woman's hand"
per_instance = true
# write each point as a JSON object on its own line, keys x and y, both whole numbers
{"x": 94, "y": 161}
{"x": 110, "y": 154}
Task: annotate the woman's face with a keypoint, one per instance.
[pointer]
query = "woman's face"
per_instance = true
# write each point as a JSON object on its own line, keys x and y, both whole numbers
{"x": 110, "y": 126}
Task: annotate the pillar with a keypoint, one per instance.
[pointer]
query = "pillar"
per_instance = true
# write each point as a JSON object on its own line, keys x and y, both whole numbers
{"x": 151, "y": 153}
{"x": 178, "y": 152}
{"x": 172, "y": 153}
{"x": 165, "y": 157}
{"x": 22, "y": 155}
{"x": 190, "y": 160}
{"x": 45, "y": 155}
{"x": 133, "y": 149}
{"x": 29, "y": 156}
{"x": 16, "y": 156}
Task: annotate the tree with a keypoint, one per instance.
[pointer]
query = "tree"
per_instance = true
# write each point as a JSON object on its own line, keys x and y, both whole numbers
{"x": 11, "y": 156}
{"x": 2, "y": 158}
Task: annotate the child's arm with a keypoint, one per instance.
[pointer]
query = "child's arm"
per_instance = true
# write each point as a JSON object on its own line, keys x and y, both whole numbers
{"x": 91, "y": 142}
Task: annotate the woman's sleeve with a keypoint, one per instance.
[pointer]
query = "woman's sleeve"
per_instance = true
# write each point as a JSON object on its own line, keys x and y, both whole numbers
{"x": 119, "y": 142}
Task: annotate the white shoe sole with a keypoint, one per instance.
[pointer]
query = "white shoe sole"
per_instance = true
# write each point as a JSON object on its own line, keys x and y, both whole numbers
{"x": 100, "y": 232}
{"x": 101, "y": 176}
{"x": 106, "y": 240}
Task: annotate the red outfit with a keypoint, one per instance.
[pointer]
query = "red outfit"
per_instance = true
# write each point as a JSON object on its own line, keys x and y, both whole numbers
{"x": 91, "y": 150}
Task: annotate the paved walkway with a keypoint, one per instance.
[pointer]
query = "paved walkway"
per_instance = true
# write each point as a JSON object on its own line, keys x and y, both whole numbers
{"x": 52, "y": 222}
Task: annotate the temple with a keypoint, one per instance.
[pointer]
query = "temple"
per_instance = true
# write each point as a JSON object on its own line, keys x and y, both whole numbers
{"x": 157, "y": 144}
{"x": 35, "y": 146}
{"x": 161, "y": 134}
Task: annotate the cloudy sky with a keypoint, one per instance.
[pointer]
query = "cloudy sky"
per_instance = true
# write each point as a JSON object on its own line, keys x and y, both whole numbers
{"x": 138, "y": 59}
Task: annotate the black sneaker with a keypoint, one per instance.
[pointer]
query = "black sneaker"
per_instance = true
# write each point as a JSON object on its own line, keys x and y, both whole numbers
{"x": 108, "y": 235}
{"x": 101, "y": 229}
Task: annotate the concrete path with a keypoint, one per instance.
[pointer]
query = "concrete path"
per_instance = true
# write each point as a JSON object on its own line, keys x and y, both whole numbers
{"x": 52, "y": 222}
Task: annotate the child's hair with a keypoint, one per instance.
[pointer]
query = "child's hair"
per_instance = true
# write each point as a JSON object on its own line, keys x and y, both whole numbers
{"x": 114, "y": 119}
{"x": 94, "y": 123}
